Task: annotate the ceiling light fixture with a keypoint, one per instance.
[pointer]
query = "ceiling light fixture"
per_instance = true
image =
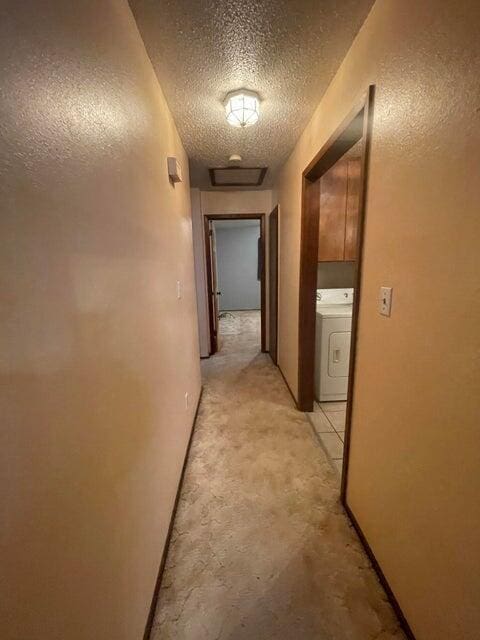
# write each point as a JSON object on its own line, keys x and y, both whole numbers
{"x": 242, "y": 108}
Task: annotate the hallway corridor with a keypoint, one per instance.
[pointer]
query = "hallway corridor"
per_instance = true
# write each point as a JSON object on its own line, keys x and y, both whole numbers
{"x": 261, "y": 548}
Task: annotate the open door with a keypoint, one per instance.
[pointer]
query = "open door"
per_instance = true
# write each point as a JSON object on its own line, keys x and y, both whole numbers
{"x": 212, "y": 281}
{"x": 273, "y": 282}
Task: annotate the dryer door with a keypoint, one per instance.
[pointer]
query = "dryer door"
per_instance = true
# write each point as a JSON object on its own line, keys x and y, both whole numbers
{"x": 339, "y": 354}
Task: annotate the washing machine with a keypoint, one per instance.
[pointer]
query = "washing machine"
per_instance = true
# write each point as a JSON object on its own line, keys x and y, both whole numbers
{"x": 332, "y": 343}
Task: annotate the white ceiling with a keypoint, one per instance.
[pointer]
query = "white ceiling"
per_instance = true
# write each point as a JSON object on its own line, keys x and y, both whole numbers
{"x": 286, "y": 50}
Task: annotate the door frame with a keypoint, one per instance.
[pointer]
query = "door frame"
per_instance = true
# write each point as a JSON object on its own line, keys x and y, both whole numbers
{"x": 208, "y": 259}
{"x": 356, "y": 126}
{"x": 273, "y": 317}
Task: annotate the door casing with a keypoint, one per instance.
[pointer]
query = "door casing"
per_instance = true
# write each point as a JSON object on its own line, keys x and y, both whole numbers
{"x": 210, "y": 289}
{"x": 356, "y": 126}
{"x": 273, "y": 284}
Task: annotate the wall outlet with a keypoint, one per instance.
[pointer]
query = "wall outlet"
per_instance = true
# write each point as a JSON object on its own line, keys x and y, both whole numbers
{"x": 385, "y": 301}
{"x": 187, "y": 400}
{"x": 179, "y": 289}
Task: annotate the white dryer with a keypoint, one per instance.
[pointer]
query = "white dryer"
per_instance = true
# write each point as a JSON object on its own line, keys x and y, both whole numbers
{"x": 332, "y": 343}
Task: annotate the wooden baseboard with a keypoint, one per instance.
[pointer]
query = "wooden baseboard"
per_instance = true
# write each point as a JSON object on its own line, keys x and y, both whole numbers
{"x": 381, "y": 576}
{"x": 153, "y": 605}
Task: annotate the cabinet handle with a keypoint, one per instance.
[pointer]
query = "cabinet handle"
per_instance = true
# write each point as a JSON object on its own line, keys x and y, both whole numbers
{"x": 336, "y": 355}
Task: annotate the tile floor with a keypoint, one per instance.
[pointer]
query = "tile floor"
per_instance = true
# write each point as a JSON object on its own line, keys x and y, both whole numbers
{"x": 328, "y": 421}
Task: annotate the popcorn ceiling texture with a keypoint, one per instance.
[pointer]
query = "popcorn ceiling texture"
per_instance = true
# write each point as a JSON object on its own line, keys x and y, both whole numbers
{"x": 286, "y": 51}
{"x": 261, "y": 548}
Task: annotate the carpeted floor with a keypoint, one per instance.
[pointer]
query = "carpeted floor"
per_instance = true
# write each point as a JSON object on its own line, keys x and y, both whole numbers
{"x": 261, "y": 548}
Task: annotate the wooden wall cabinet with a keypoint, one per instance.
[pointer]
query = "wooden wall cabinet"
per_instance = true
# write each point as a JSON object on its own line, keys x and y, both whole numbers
{"x": 339, "y": 202}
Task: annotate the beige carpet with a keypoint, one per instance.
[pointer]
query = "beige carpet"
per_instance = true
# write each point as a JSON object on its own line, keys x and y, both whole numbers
{"x": 261, "y": 548}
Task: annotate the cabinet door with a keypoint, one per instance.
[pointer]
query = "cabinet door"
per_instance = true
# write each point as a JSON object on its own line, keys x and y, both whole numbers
{"x": 333, "y": 200}
{"x": 353, "y": 201}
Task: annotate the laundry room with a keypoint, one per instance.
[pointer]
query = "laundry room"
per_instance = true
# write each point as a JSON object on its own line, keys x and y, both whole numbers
{"x": 335, "y": 294}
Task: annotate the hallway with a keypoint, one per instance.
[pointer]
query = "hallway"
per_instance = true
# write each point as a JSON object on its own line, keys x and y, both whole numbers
{"x": 309, "y": 171}
{"x": 261, "y": 548}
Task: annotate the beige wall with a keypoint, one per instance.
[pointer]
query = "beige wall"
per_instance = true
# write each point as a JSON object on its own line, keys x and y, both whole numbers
{"x": 215, "y": 202}
{"x": 96, "y": 351}
{"x": 236, "y": 201}
{"x": 414, "y": 470}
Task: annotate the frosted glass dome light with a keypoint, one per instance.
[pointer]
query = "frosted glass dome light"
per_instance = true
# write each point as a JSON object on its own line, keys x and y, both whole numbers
{"x": 242, "y": 108}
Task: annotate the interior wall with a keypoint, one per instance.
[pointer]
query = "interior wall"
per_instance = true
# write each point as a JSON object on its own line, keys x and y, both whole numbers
{"x": 335, "y": 275}
{"x": 413, "y": 477}
{"x": 96, "y": 351}
{"x": 238, "y": 202}
{"x": 237, "y": 266}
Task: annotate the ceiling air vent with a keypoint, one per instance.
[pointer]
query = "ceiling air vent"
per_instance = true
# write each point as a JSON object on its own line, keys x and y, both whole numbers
{"x": 237, "y": 176}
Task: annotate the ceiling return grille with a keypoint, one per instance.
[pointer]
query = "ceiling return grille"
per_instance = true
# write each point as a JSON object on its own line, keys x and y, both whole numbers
{"x": 237, "y": 176}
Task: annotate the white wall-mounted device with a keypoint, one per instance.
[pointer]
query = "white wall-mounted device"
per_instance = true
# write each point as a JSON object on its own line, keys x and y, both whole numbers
{"x": 385, "y": 301}
{"x": 174, "y": 169}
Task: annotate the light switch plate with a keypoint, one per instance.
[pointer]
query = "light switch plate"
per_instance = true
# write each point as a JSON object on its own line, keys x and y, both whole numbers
{"x": 385, "y": 301}
{"x": 179, "y": 289}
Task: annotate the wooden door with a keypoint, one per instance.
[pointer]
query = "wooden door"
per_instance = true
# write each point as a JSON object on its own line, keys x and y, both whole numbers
{"x": 273, "y": 282}
{"x": 211, "y": 251}
{"x": 216, "y": 292}
{"x": 353, "y": 204}
{"x": 333, "y": 202}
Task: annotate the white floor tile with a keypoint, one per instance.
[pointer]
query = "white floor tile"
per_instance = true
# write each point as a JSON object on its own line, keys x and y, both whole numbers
{"x": 320, "y": 422}
{"x": 337, "y": 418}
{"x": 332, "y": 444}
{"x": 333, "y": 406}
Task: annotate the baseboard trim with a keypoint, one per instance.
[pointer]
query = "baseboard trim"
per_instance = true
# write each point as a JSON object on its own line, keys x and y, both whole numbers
{"x": 288, "y": 386}
{"x": 381, "y": 576}
{"x": 163, "y": 561}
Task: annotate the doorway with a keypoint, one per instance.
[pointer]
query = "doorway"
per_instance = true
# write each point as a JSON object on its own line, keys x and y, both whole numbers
{"x": 215, "y": 294}
{"x": 334, "y": 240}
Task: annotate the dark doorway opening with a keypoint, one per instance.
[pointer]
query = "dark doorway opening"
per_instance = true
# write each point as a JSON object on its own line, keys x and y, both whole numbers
{"x": 212, "y": 285}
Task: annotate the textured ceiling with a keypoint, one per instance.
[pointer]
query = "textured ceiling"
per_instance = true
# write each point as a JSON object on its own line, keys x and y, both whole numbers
{"x": 286, "y": 50}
